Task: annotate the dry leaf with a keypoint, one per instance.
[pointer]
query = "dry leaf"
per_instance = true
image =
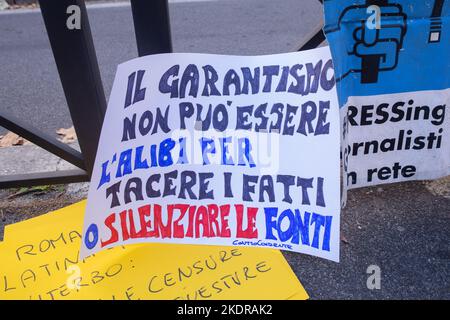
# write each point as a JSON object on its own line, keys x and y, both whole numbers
{"x": 344, "y": 239}
{"x": 67, "y": 135}
{"x": 22, "y": 6}
{"x": 11, "y": 139}
{"x": 439, "y": 187}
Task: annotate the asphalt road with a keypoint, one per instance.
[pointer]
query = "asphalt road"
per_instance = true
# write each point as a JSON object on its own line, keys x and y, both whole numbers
{"x": 404, "y": 229}
{"x": 29, "y": 83}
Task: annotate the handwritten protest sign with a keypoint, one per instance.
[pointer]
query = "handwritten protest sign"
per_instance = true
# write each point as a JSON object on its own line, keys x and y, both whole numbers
{"x": 40, "y": 261}
{"x": 392, "y": 70}
{"x": 219, "y": 150}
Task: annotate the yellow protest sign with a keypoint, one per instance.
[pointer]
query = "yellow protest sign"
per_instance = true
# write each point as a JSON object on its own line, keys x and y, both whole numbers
{"x": 40, "y": 261}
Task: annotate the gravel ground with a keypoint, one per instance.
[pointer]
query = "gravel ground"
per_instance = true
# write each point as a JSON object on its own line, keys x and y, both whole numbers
{"x": 403, "y": 228}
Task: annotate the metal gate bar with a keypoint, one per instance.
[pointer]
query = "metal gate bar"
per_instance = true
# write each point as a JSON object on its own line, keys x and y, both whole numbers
{"x": 77, "y": 65}
{"x": 78, "y": 70}
{"x": 315, "y": 39}
{"x": 43, "y": 178}
{"x": 42, "y": 140}
{"x": 152, "y": 26}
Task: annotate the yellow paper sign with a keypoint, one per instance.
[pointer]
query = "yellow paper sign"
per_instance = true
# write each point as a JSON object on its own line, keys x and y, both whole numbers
{"x": 40, "y": 261}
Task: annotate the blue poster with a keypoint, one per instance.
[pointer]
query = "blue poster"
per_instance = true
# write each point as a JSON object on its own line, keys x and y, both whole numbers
{"x": 392, "y": 70}
{"x": 388, "y": 46}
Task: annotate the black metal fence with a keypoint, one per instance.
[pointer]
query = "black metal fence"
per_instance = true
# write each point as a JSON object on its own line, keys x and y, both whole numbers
{"x": 76, "y": 60}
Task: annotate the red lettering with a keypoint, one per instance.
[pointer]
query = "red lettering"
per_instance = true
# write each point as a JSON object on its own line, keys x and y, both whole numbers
{"x": 213, "y": 214}
{"x": 178, "y": 230}
{"x": 123, "y": 225}
{"x": 190, "y": 230}
{"x": 225, "y": 229}
{"x": 251, "y": 231}
{"x": 166, "y": 231}
{"x": 201, "y": 219}
{"x": 114, "y": 234}
{"x": 133, "y": 233}
{"x": 144, "y": 212}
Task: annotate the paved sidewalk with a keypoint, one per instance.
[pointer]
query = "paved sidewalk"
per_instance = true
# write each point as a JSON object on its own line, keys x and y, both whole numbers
{"x": 402, "y": 228}
{"x": 17, "y": 204}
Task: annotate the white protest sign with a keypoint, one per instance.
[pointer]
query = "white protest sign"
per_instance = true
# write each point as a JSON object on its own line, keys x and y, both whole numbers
{"x": 219, "y": 150}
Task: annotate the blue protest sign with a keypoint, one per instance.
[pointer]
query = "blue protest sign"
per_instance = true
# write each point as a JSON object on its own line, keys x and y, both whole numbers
{"x": 382, "y": 47}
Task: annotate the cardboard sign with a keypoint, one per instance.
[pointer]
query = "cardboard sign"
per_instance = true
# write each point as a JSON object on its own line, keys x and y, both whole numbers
{"x": 219, "y": 150}
{"x": 40, "y": 261}
{"x": 392, "y": 69}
